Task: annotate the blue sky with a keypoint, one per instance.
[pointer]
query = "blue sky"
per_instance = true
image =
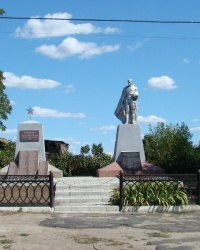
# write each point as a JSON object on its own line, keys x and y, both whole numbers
{"x": 72, "y": 72}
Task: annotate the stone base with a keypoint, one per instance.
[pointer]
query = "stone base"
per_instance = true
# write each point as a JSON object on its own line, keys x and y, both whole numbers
{"x": 111, "y": 170}
{"x": 57, "y": 173}
{"x": 114, "y": 169}
{"x": 128, "y": 139}
{"x": 148, "y": 168}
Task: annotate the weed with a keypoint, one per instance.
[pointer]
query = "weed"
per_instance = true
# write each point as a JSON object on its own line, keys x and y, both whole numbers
{"x": 111, "y": 242}
{"x": 85, "y": 239}
{"x": 7, "y": 247}
{"x": 6, "y": 241}
{"x": 24, "y": 234}
{"x": 159, "y": 234}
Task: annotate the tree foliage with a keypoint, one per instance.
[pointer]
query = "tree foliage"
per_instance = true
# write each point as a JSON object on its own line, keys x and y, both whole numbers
{"x": 7, "y": 153}
{"x": 170, "y": 147}
{"x": 85, "y": 149}
{"x": 2, "y": 12}
{"x": 81, "y": 165}
{"x": 5, "y": 106}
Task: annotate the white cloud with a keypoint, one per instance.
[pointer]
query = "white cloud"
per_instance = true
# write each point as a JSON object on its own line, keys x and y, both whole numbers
{"x": 69, "y": 89}
{"x": 150, "y": 119}
{"x": 37, "y": 28}
{"x": 163, "y": 82}
{"x": 136, "y": 46}
{"x": 195, "y": 129}
{"x": 186, "y": 60}
{"x": 71, "y": 140}
{"x": 28, "y": 82}
{"x": 43, "y": 112}
{"x": 9, "y": 131}
{"x": 71, "y": 46}
{"x": 104, "y": 128}
{"x": 195, "y": 120}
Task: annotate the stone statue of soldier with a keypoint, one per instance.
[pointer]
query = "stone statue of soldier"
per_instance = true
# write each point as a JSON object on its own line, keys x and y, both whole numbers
{"x": 126, "y": 110}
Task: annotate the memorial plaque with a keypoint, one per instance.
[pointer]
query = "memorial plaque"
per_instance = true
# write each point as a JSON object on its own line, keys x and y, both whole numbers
{"x": 13, "y": 169}
{"x": 131, "y": 161}
{"x": 32, "y": 162}
{"x": 28, "y": 162}
{"x": 43, "y": 168}
{"x": 23, "y": 162}
{"x": 29, "y": 135}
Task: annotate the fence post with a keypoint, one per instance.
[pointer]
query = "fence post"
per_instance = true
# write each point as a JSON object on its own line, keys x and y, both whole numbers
{"x": 198, "y": 187}
{"x": 51, "y": 191}
{"x": 121, "y": 189}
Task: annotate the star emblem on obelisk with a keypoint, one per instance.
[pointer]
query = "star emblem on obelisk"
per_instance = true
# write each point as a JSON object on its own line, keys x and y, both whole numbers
{"x": 30, "y": 112}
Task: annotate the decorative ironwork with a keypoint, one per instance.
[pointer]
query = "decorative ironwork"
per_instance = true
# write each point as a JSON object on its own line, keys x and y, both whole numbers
{"x": 27, "y": 190}
{"x": 135, "y": 184}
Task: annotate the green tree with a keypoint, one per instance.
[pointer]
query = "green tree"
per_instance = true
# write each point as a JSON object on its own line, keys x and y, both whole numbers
{"x": 2, "y": 12}
{"x": 85, "y": 149}
{"x": 7, "y": 153}
{"x": 81, "y": 165}
{"x": 170, "y": 147}
{"x": 5, "y": 106}
{"x": 97, "y": 149}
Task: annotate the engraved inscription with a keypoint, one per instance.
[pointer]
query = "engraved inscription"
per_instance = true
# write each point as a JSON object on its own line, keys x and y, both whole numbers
{"x": 131, "y": 161}
{"x": 33, "y": 162}
{"x": 28, "y": 162}
{"x": 29, "y": 135}
{"x": 23, "y": 162}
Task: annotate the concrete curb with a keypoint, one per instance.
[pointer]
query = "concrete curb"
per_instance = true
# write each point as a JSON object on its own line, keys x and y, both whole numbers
{"x": 27, "y": 209}
{"x": 151, "y": 209}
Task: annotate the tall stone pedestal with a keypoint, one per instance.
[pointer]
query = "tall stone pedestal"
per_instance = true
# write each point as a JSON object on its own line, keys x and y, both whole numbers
{"x": 30, "y": 137}
{"x": 128, "y": 139}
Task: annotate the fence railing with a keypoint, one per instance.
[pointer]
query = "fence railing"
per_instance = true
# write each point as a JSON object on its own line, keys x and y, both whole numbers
{"x": 27, "y": 190}
{"x": 189, "y": 184}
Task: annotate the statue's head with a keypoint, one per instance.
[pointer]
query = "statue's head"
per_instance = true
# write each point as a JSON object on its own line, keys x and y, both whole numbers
{"x": 130, "y": 82}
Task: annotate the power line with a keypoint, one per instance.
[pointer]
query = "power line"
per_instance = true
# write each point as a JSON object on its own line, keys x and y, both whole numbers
{"x": 109, "y": 35}
{"x": 101, "y": 20}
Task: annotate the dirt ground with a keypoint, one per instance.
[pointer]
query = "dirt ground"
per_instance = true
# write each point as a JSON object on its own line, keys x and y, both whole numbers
{"x": 138, "y": 231}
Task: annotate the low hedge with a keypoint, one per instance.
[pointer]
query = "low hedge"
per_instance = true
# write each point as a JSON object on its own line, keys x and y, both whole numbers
{"x": 152, "y": 193}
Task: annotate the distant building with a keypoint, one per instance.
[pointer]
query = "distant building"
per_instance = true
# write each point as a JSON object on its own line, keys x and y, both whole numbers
{"x": 55, "y": 147}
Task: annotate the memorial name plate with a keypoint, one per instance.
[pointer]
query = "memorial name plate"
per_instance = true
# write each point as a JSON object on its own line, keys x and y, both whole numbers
{"x": 131, "y": 161}
{"x": 29, "y": 135}
{"x": 33, "y": 162}
{"x": 23, "y": 162}
{"x": 28, "y": 162}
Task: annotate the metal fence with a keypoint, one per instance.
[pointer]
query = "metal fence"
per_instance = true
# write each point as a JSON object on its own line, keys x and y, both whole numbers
{"x": 137, "y": 185}
{"x": 27, "y": 190}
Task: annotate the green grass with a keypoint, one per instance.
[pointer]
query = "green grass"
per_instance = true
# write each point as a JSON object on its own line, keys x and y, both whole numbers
{"x": 84, "y": 239}
{"x": 159, "y": 234}
{"x": 6, "y": 241}
{"x": 24, "y": 234}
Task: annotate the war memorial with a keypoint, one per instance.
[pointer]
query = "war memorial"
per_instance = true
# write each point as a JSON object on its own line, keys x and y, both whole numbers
{"x": 30, "y": 158}
{"x": 129, "y": 154}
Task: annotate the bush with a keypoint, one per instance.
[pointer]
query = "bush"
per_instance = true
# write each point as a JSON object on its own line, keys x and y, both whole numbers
{"x": 170, "y": 147}
{"x": 152, "y": 193}
{"x": 79, "y": 165}
{"x": 7, "y": 153}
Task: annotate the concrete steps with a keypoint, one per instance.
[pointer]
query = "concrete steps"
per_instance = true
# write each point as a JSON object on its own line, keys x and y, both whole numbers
{"x": 85, "y": 194}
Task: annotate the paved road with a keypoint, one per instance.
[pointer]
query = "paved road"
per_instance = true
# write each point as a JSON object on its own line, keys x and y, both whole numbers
{"x": 138, "y": 231}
